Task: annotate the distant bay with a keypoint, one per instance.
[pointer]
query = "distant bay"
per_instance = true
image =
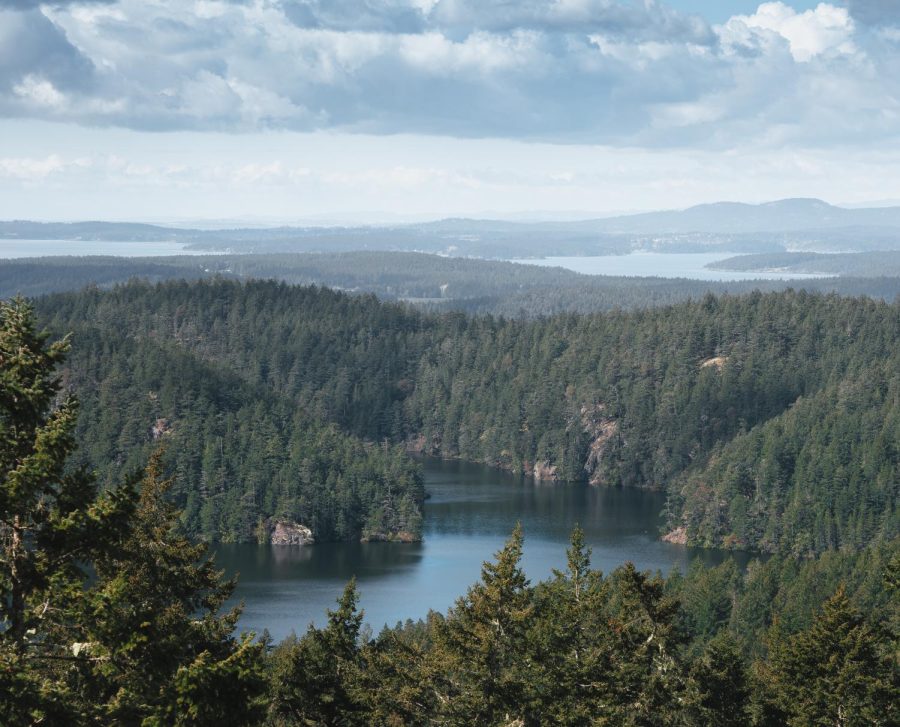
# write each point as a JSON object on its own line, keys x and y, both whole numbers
{"x": 13, "y": 249}
{"x": 661, "y": 265}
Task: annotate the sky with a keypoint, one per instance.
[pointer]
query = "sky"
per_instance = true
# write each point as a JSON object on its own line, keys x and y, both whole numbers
{"x": 284, "y": 111}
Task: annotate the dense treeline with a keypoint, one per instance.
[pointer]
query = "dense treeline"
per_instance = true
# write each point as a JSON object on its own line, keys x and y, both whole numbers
{"x": 246, "y": 457}
{"x": 609, "y": 294}
{"x": 863, "y": 264}
{"x": 770, "y": 419}
{"x": 432, "y": 281}
{"x": 457, "y": 237}
{"x": 110, "y": 615}
{"x": 823, "y": 475}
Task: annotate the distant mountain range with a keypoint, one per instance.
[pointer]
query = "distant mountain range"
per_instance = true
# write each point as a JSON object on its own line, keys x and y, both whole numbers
{"x": 781, "y": 216}
{"x": 790, "y": 224}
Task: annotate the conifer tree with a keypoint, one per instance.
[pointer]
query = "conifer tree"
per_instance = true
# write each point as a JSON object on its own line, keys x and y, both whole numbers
{"x": 314, "y": 678}
{"x": 720, "y": 686}
{"x": 161, "y": 651}
{"x": 570, "y": 640}
{"x": 52, "y": 523}
{"x": 398, "y": 675}
{"x": 482, "y": 645}
{"x": 646, "y": 675}
{"x": 836, "y": 672}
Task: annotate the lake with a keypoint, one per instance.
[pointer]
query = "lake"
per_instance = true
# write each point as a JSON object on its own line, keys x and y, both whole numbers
{"x": 10, "y": 249}
{"x": 660, "y": 265}
{"x": 471, "y": 512}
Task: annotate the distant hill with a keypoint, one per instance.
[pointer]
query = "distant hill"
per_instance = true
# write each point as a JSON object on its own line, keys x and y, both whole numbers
{"x": 435, "y": 281}
{"x": 99, "y": 231}
{"x": 790, "y": 224}
{"x": 735, "y": 217}
{"x": 860, "y": 264}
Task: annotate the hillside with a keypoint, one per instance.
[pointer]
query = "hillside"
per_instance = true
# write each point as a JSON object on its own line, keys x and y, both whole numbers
{"x": 246, "y": 457}
{"x": 432, "y": 281}
{"x": 862, "y": 264}
{"x": 726, "y": 226}
{"x": 786, "y": 215}
{"x": 662, "y": 398}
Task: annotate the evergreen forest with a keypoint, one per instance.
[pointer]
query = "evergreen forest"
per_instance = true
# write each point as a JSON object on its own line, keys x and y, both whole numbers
{"x": 140, "y": 421}
{"x": 771, "y": 420}
{"x": 435, "y": 282}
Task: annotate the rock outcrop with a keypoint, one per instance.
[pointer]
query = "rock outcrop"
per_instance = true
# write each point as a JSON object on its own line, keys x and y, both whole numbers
{"x": 545, "y": 472}
{"x": 401, "y": 536}
{"x": 285, "y": 532}
{"x": 160, "y": 429}
{"x": 678, "y": 536}
{"x": 716, "y": 362}
{"x": 602, "y": 429}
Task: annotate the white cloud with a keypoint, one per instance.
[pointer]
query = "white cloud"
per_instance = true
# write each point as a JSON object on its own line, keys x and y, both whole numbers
{"x": 570, "y": 71}
{"x": 29, "y": 169}
{"x": 51, "y": 170}
{"x": 272, "y": 173}
{"x": 809, "y": 34}
{"x": 40, "y": 92}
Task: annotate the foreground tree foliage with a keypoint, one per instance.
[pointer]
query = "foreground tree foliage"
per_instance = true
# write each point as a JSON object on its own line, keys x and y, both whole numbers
{"x": 315, "y": 680}
{"x": 584, "y": 648}
{"x": 140, "y": 642}
{"x": 52, "y": 522}
{"x": 838, "y": 671}
{"x": 159, "y": 650}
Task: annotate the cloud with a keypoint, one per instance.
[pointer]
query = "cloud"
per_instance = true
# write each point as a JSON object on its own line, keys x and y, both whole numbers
{"x": 458, "y": 18}
{"x": 391, "y": 16}
{"x": 31, "y": 170}
{"x": 35, "y": 4}
{"x": 637, "y": 21}
{"x": 808, "y": 34}
{"x": 595, "y": 71}
{"x": 875, "y": 12}
{"x": 34, "y": 52}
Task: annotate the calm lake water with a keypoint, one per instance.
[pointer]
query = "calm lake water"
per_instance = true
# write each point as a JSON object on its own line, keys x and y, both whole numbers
{"x": 660, "y": 265}
{"x": 10, "y": 249}
{"x": 470, "y": 514}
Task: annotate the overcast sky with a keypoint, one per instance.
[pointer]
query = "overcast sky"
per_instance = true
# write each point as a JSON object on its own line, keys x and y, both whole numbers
{"x": 285, "y": 110}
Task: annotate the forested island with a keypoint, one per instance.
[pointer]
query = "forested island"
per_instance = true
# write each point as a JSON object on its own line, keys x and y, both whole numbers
{"x": 221, "y": 410}
{"x": 865, "y": 264}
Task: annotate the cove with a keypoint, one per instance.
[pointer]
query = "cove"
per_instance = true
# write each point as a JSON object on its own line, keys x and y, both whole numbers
{"x": 470, "y": 513}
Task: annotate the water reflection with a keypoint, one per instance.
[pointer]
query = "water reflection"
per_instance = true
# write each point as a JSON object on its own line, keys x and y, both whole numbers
{"x": 470, "y": 513}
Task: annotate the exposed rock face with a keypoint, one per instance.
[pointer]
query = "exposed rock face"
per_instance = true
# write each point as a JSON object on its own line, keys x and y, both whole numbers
{"x": 601, "y": 429}
{"x": 289, "y": 533}
{"x": 417, "y": 444}
{"x": 716, "y": 362}
{"x": 160, "y": 428}
{"x": 545, "y": 471}
{"x": 401, "y": 536}
{"x": 678, "y": 536}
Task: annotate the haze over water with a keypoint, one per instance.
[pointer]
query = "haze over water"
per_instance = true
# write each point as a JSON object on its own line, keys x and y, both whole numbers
{"x": 662, "y": 265}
